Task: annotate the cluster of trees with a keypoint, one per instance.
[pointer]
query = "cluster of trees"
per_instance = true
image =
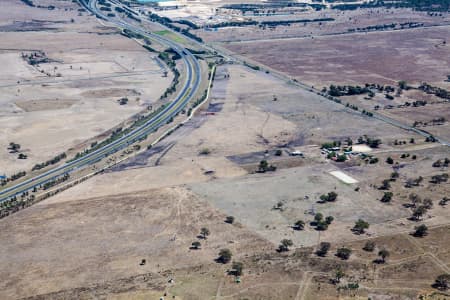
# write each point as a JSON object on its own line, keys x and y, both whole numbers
{"x": 439, "y": 92}
{"x": 437, "y": 179}
{"x": 419, "y": 207}
{"x": 433, "y": 122}
{"x": 387, "y": 27}
{"x": 441, "y": 163}
{"x": 371, "y": 142}
{"x": 204, "y": 233}
{"x": 321, "y": 223}
{"x": 330, "y": 197}
{"x": 188, "y": 23}
{"x": 13, "y": 205}
{"x": 347, "y": 90}
{"x": 169, "y": 56}
{"x": 369, "y": 158}
{"x": 330, "y": 145}
{"x": 266, "y": 8}
{"x": 13, "y": 147}
{"x": 422, "y": 5}
{"x": 397, "y": 142}
{"x": 52, "y": 161}
{"x": 13, "y": 177}
{"x": 35, "y": 58}
{"x": 55, "y": 181}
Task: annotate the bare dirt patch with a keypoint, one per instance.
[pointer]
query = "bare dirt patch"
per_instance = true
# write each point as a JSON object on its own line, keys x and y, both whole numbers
{"x": 51, "y": 104}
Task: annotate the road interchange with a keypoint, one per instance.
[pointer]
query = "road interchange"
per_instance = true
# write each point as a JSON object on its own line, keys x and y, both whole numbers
{"x": 186, "y": 93}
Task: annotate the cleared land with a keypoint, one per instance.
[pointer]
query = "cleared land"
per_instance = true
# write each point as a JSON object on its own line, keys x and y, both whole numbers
{"x": 416, "y": 56}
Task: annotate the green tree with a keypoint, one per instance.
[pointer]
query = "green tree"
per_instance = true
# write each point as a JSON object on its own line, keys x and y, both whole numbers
{"x": 383, "y": 254}
{"x": 418, "y": 212}
{"x": 343, "y": 253}
{"x": 237, "y": 268}
{"x": 403, "y": 85}
{"x": 299, "y": 225}
{"x": 263, "y": 166}
{"x": 318, "y": 217}
{"x": 229, "y": 220}
{"x": 421, "y": 230}
{"x": 224, "y": 256}
{"x": 284, "y": 245}
{"x": 389, "y": 160}
{"x": 385, "y": 185}
{"x": 329, "y": 220}
{"x": 323, "y": 249}
{"x": 442, "y": 282}
{"x": 204, "y": 232}
{"x": 338, "y": 275}
{"x": 196, "y": 245}
{"x": 369, "y": 246}
{"x": 387, "y": 197}
{"x": 360, "y": 226}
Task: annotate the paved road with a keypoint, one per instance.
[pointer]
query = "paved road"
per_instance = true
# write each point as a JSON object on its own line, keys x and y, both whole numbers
{"x": 186, "y": 94}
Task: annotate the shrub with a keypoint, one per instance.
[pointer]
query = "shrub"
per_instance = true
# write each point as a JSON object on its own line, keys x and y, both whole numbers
{"x": 343, "y": 253}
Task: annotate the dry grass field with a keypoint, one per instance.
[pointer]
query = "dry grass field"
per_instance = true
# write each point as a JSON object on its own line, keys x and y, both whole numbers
{"x": 128, "y": 232}
{"x": 378, "y": 57}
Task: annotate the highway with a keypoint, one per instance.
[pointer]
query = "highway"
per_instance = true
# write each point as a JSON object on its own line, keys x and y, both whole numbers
{"x": 186, "y": 93}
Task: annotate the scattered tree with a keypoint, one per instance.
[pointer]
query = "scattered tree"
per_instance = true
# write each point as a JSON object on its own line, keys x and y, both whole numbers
{"x": 204, "y": 232}
{"x": 343, "y": 253}
{"x": 383, "y": 254}
{"x": 389, "y": 160}
{"x": 387, "y": 197}
{"x": 329, "y": 220}
{"x": 237, "y": 268}
{"x": 443, "y": 201}
{"x": 323, "y": 249}
{"x": 385, "y": 185}
{"x": 415, "y": 199}
{"x": 442, "y": 282}
{"x": 330, "y": 197}
{"x": 418, "y": 213}
{"x": 428, "y": 203}
{"x": 196, "y": 245}
{"x": 369, "y": 246}
{"x": 299, "y": 225}
{"x": 224, "y": 256}
{"x": 229, "y": 220}
{"x": 421, "y": 230}
{"x": 360, "y": 226}
{"x": 284, "y": 245}
{"x": 338, "y": 275}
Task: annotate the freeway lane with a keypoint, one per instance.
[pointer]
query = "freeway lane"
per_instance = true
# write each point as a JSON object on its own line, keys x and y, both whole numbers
{"x": 188, "y": 91}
